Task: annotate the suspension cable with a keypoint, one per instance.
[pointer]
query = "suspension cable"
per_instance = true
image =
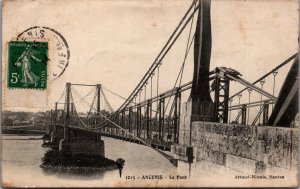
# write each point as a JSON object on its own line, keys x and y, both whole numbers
{"x": 145, "y": 111}
{"x": 267, "y": 74}
{"x": 106, "y": 101}
{"x": 83, "y": 97}
{"x": 93, "y": 102}
{"x": 163, "y": 52}
{"x": 187, "y": 50}
{"x": 88, "y": 94}
{"x": 77, "y": 115}
{"x": 180, "y": 72}
{"x": 132, "y": 135}
{"x": 151, "y": 86}
{"x": 62, "y": 94}
{"x": 114, "y": 93}
{"x": 157, "y": 84}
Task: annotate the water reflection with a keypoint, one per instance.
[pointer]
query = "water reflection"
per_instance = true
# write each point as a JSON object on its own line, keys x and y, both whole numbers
{"x": 21, "y": 160}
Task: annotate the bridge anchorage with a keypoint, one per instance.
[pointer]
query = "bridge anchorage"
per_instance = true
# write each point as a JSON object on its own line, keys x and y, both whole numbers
{"x": 186, "y": 130}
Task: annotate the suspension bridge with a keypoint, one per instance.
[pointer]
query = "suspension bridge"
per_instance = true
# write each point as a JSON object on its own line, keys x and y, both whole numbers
{"x": 161, "y": 119}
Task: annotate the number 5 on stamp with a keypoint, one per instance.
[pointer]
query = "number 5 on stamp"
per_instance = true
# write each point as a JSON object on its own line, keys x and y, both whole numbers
{"x": 27, "y": 64}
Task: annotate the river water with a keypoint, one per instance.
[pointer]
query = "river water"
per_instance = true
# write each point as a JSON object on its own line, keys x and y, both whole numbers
{"x": 21, "y": 157}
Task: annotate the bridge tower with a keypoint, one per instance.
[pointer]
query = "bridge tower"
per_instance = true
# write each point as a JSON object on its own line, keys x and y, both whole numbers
{"x": 202, "y": 105}
{"x": 76, "y": 138}
{"x": 221, "y": 88}
{"x": 66, "y": 126}
{"x": 66, "y": 130}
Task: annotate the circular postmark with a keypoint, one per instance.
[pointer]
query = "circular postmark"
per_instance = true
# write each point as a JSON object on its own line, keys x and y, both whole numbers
{"x": 59, "y": 58}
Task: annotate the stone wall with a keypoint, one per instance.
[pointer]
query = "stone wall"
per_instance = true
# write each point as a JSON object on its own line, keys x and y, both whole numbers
{"x": 245, "y": 148}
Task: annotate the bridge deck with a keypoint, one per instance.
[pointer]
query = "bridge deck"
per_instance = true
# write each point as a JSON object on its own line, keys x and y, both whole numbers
{"x": 163, "y": 145}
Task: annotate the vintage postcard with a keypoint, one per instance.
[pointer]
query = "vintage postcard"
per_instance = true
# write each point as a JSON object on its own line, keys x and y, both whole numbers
{"x": 150, "y": 93}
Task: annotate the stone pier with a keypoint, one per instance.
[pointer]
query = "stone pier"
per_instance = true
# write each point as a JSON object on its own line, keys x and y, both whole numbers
{"x": 79, "y": 141}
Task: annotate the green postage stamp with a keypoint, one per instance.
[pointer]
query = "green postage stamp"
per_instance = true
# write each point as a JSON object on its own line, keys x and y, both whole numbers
{"x": 27, "y": 64}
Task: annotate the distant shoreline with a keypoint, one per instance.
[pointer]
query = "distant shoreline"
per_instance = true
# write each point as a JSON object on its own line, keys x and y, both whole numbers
{"x": 22, "y": 132}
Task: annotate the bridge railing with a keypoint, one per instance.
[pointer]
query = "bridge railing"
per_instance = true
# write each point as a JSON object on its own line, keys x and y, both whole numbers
{"x": 249, "y": 107}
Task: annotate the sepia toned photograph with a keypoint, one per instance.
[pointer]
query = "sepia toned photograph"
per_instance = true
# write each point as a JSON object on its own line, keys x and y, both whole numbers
{"x": 150, "y": 93}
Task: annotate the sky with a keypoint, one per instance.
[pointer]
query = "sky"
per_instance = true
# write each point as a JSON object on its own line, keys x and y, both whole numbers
{"x": 113, "y": 43}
